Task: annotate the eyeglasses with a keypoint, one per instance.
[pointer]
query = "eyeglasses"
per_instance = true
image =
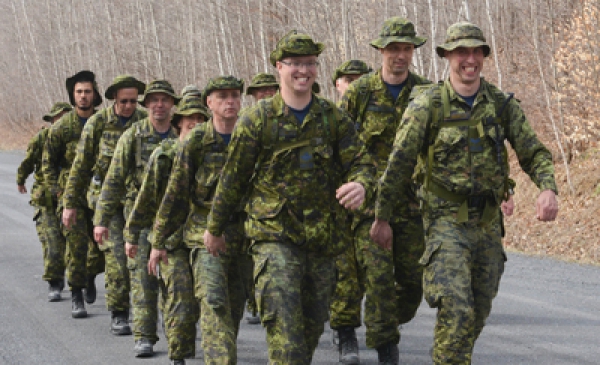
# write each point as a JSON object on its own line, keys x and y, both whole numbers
{"x": 130, "y": 101}
{"x": 296, "y": 64}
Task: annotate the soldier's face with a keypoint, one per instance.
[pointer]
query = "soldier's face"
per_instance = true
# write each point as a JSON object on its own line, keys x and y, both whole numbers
{"x": 397, "y": 57}
{"x": 188, "y": 122}
{"x": 159, "y": 106}
{"x": 298, "y": 74}
{"x": 465, "y": 64}
{"x": 126, "y": 101}
{"x": 225, "y": 103}
{"x": 342, "y": 83}
{"x": 264, "y": 92}
{"x": 83, "y": 94}
{"x": 58, "y": 116}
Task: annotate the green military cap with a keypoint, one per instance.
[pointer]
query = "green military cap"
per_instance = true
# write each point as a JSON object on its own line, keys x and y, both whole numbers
{"x": 397, "y": 29}
{"x": 222, "y": 83}
{"x": 463, "y": 34}
{"x": 295, "y": 44}
{"x": 159, "y": 86}
{"x": 191, "y": 90}
{"x": 351, "y": 67}
{"x": 83, "y": 76}
{"x": 122, "y": 82}
{"x": 189, "y": 105}
{"x": 261, "y": 80}
{"x": 57, "y": 108}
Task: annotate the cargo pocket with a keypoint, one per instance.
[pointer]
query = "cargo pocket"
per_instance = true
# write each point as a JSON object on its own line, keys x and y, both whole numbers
{"x": 266, "y": 296}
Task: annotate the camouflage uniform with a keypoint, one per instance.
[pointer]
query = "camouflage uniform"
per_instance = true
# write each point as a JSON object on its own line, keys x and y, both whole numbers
{"x": 94, "y": 154}
{"x": 289, "y": 174}
{"x": 350, "y": 67}
{"x": 219, "y": 281}
{"x": 463, "y": 183}
{"x": 46, "y": 222}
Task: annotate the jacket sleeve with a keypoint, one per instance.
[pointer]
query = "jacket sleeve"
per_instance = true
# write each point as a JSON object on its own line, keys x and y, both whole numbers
{"x": 33, "y": 156}
{"x": 54, "y": 149}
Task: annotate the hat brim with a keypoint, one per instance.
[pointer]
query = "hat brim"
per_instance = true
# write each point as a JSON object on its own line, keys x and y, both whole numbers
{"x": 177, "y": 116}
{"x": 251, "y": 88}
{"x": 283, "y": 54}
{"x": 47, "y": 118}
{"x": 142, "y": 100}
{"x": 83, "y": 76}
{"x": 111, "y": 92}
{"x": 467, "y": 43}
{"x": 383, "y": 42}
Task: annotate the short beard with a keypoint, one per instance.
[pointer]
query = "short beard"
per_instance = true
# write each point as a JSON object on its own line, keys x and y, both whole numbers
{"x": 84, "y": 108}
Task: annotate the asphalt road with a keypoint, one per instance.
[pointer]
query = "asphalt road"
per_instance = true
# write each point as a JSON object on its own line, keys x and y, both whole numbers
{"x": 547, "y": 311}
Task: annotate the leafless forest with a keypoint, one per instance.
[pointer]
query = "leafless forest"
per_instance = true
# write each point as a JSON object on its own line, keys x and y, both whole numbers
{"x": 546, "y": 51}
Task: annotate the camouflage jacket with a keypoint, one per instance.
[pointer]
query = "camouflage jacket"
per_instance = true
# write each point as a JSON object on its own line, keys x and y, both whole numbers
{"x": 59, "y": 152}
{"x": 126, "y": 172}
{"x": 290, "y": 179}
{"x": 456, "y": 167}
{"x": 33, "y": 163}
{"x": 94, "y": 153}
{"x": 196, "y": 172}
{"x": 377, "y": 116}
{"x": 151, "y": 192}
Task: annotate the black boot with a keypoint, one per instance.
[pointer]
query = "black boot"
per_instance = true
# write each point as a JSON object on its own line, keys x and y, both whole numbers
{"x": 78, "y": 309}
{"x": 177, "y": 362}
{"x": 388, "y": 354}
{"x": 348, "y": 346}
{"x": 119, "y": 325}
{"x": 90, "y": 289}
{"x": 54, "y": 290}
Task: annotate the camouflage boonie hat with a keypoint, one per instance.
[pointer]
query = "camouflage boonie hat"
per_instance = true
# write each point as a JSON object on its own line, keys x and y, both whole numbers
{"x": 122, "y": 82}
{"x": 222, "y": 83}
{"x": 463, "y": 34}
{"x": 261, "y": 80}
{"x": 189, "y": 105}
{"x": 191, "y": 90}
{"x": 351, "y": 67}
{"x": 57, "y": 108}
{"x": 159, "y": 86}
{"x": 397, "y": 29}
{"x": 295, "y": 44}
{"x": 83, "y": 76}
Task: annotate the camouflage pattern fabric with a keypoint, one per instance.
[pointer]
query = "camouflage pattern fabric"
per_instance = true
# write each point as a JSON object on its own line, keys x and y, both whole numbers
{"x": 397, "y": 29}
{"x": 117, "y": 281}
{"x": 289, "y": 212}
{"x": 462, "y": 294}
{"x": 293, "y": 44}
{"x": 346, "y": 299}
{"x": 222, "y": 83}
{"x": 377, "y": 117}
{"x": 350, "y": 67}
{"x": 463, "y": 34}
{"x": 262, "y": 80}
{"x": 56, "y": 109}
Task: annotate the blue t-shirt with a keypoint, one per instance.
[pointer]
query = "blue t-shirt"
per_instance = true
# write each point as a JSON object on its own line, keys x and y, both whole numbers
{"x": 124, "y": 120}
{"x": 226, "y": 138}
{"x": 469, "y": 99}
{"x": 82, "y": 120}
{"x": 395, "y": 89}
{"x": 164, "y": 134}
{"x": 302, "y": 113}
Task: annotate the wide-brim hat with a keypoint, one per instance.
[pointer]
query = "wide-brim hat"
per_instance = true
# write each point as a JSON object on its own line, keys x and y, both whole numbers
{"x": 122, "y": 82}
{"x": 222, "y": 83}
{"x": 295, "y": 44}
{"x": 400, "y": 30}
{"x": 350, "y": 67}
{"x": 83, "y": 76}
{"x": 159, "y": 86}
{"x": 191, "y": 90}
{"x": 189, "y": 105}
{"x": 262, "y": 80}
{"x": 56, "y": 109}
{"x": 463, "y": 34}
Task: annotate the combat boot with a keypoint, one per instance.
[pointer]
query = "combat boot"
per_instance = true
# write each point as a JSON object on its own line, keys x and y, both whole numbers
{"x": 90, "y": 289}
{"x": 119, "y": 325}
{"x": 388, "y": 354}
{"x": 54, "y": 290}
{"x": 143, "y": 348}
{"x": 78, "y": 308}
{"x": 177, "y": 362}
{"x": 348, "y": 346}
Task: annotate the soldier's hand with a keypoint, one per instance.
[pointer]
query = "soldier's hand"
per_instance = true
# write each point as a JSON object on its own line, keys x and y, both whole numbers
{"x": 69, "y": 217}
{"x": 214, "y": 245}
{"x": 130, "y": 250}
{"x": 382, "y": 234}
{"x": 100, "y": 234}
{"x": 351, "y": 195}
{"x": 546, "y": 206}
{"x": 508, "y": 207}
{"x": 22, "y": 189}
{"x": 155, "y": 257}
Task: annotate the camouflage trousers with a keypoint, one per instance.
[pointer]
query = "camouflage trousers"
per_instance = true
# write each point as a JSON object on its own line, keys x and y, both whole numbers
{"x": 179, "y": 305}
{"x": 84, "y": 256}
{"x": 463, "y": 265}
{"x": 346, "y": 301}
{"x": 220, "y": 286}
{"x": 53, "y": 242}
{"x": 144, "y": 292}
{"x": 116, "y": 277}
{"x": 293, "y": 288}
{"x": 250, "y": 287}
